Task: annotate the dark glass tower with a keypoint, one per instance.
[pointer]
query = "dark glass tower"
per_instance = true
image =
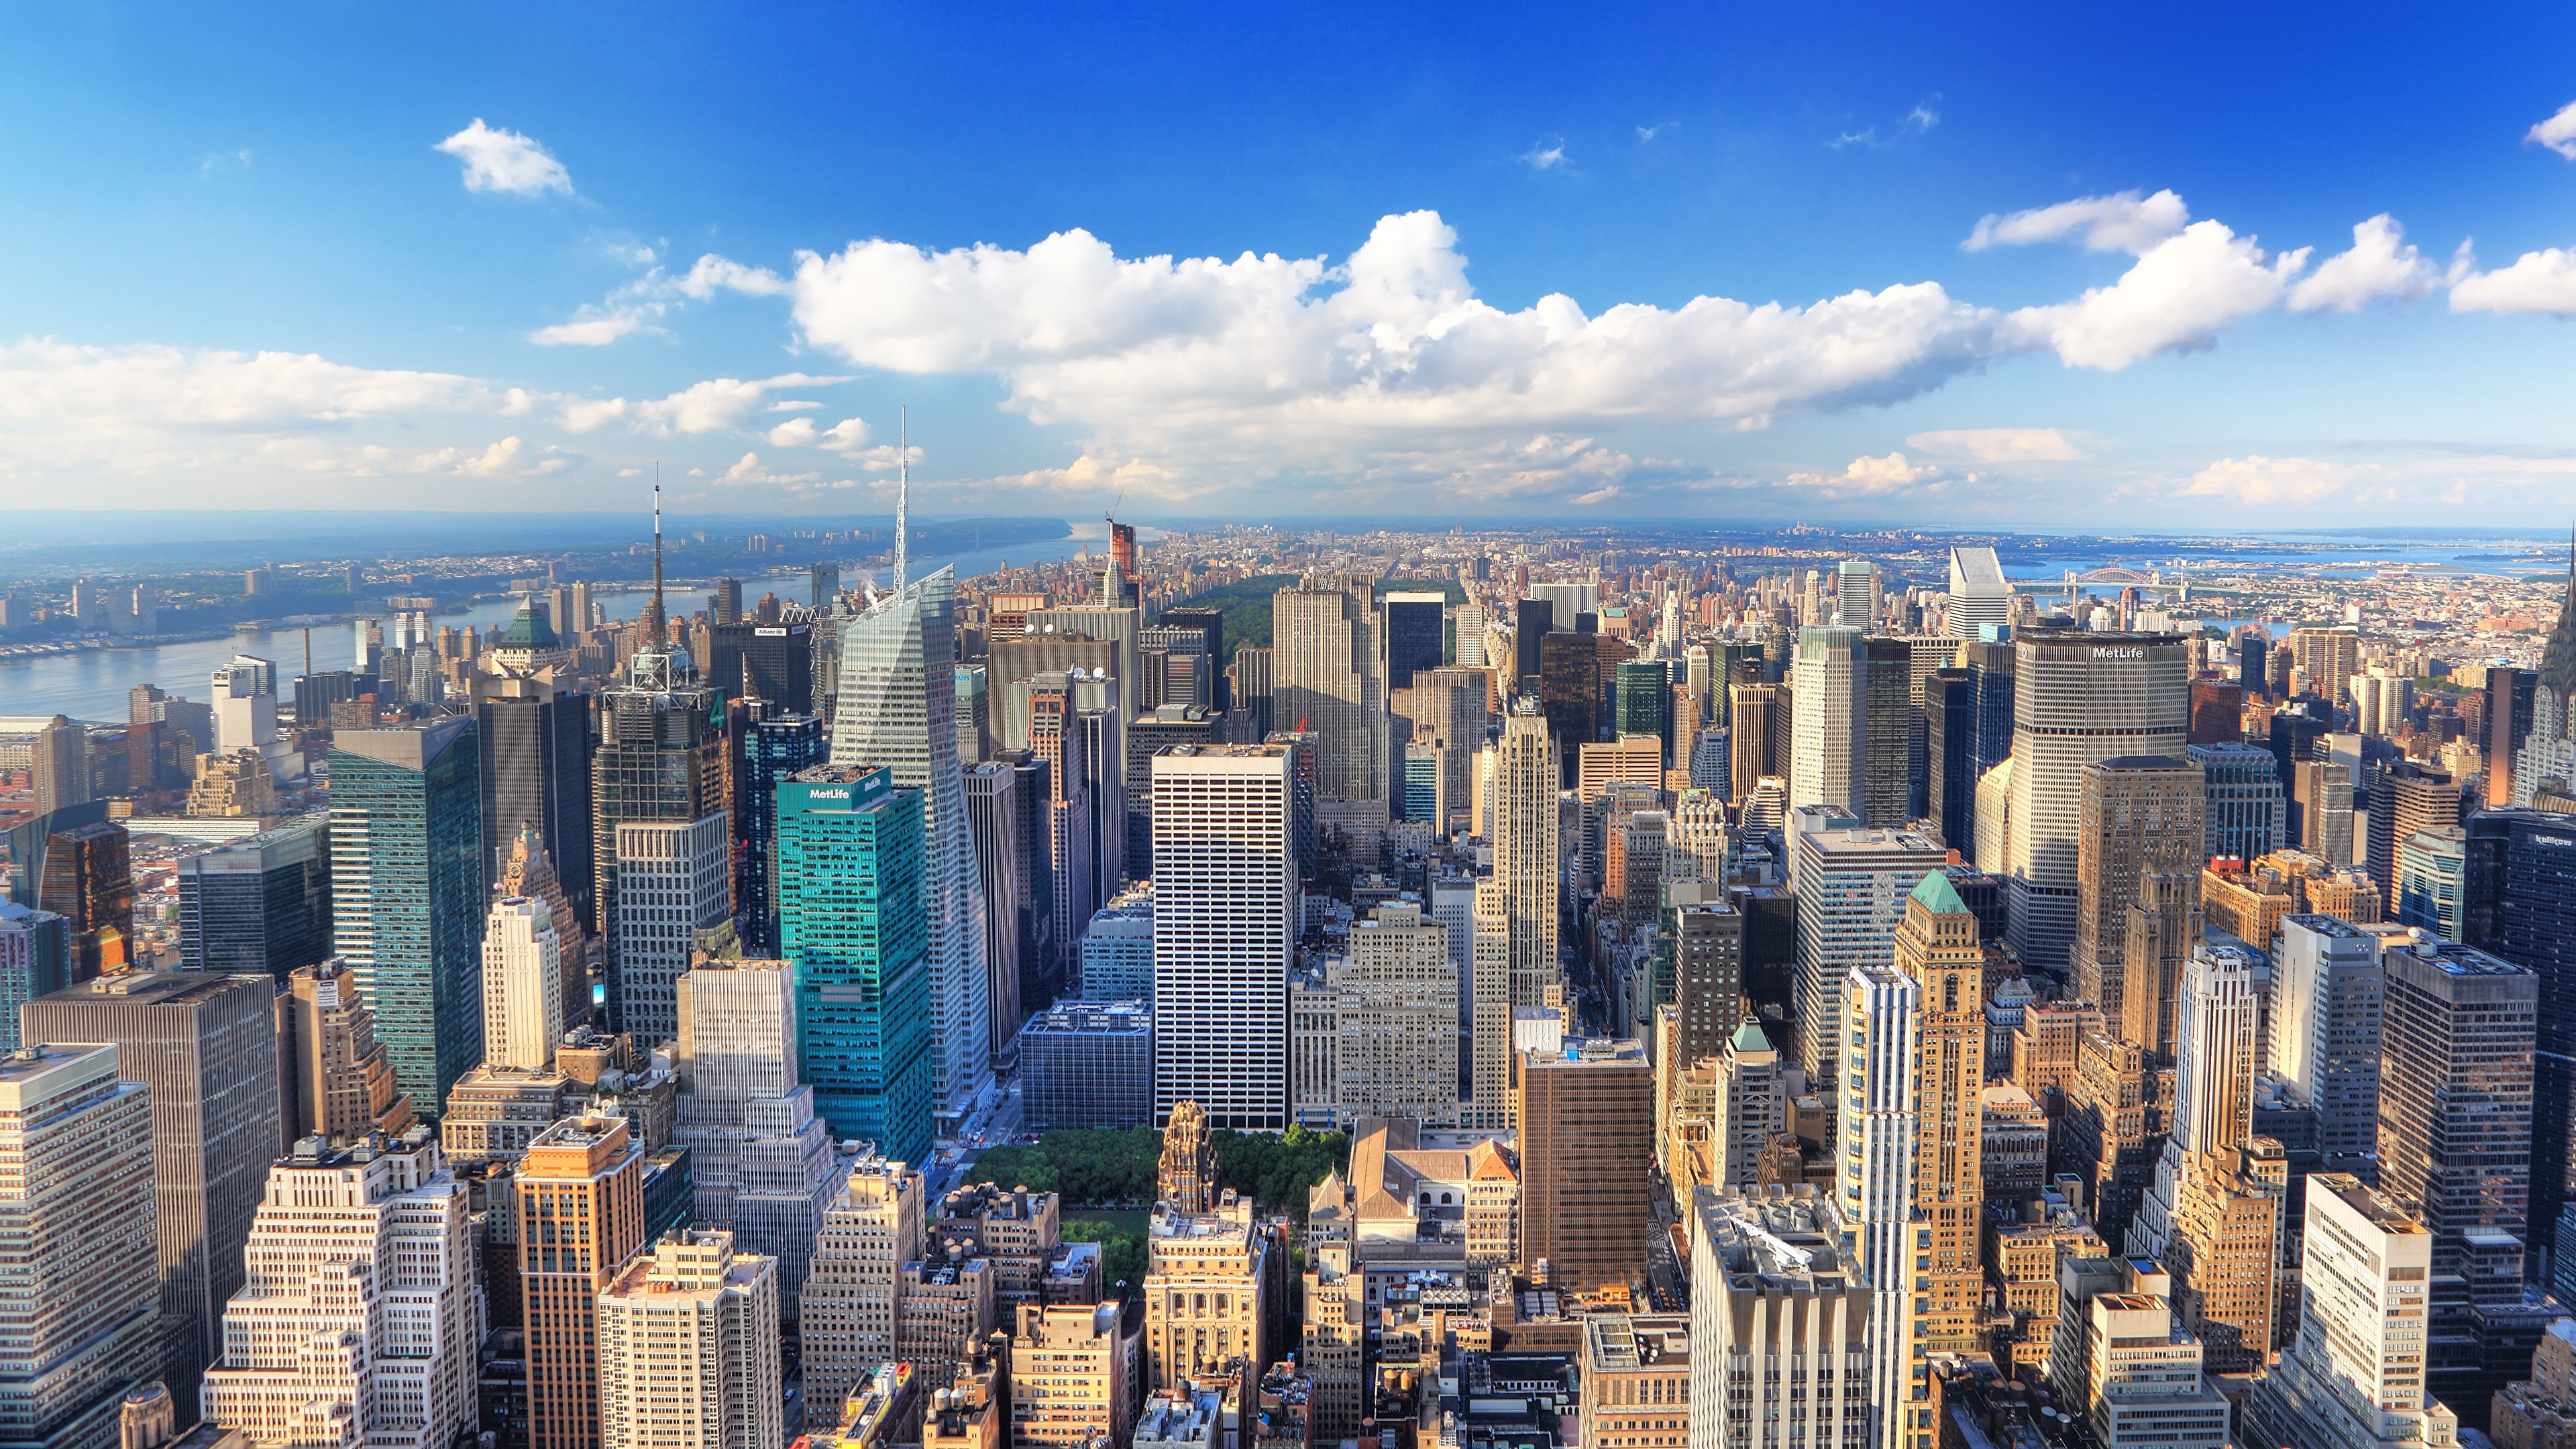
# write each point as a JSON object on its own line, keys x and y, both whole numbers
{"x": 772, "y": 750}
{"x": 1413, "y": 636}
{"x": 407, "y": 891}
{"x": 259, "y": 905}
{"x": 535, "y": 741}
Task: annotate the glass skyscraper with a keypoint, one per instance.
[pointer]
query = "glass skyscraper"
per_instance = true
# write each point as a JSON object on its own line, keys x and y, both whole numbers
{"x": 261, "y": 904}
{"x": 890, "y": 716}
{"x": 772, "y": 750}
{"x": 852, "y": 926}
{"x": 407, "y": 893}
{"x": 660, "y": 761}
{"x": 535, "y": 740}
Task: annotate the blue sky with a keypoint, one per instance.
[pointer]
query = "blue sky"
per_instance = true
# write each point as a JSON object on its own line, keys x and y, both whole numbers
{"x": 2015, "y": 265}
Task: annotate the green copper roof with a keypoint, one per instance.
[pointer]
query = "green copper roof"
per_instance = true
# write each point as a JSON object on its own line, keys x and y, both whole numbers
{"x": 530, "y": 629}
{"x": 1939, "y": 896}
{"x": 1749, "y": 1037}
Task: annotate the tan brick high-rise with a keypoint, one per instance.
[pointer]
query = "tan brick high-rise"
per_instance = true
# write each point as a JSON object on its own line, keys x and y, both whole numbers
{"x": 1936, "y": 944}
{"x": 581, "y": 1218}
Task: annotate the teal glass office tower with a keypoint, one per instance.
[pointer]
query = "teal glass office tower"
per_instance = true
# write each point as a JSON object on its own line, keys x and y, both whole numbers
{"x": 407, "y": 894}
{"x": 852, "y": 923}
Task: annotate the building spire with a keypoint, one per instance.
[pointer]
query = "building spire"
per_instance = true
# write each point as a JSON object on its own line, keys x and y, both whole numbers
{"x": 902, "y": 496}
{"x": 657, "y": 628}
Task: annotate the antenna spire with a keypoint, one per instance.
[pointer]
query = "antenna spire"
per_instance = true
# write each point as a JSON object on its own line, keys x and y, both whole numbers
{"x": 902, "y": 497}
{"x": 657, "y": 625}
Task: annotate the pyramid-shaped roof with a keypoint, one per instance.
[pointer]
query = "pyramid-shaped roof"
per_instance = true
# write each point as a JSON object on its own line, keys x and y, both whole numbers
{"x": 1939, "y": 896}
{"x": 529, "y": 628}
{"x": 1749, "y": 1037}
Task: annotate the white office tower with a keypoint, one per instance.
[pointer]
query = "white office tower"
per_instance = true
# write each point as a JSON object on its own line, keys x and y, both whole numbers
{"x": 1848, "y": 889}
{"x": 2148, "y": 1388}
{"x": 1881, "y": 1017}
{"x": 245, "y": 692}
{"x": 688, "y": 1349}
{"x": 1525, "y": 828}
{"x": 674, "y": 880}
{"x": 1328, "y": 677}
{"x": 2217, "y": 1052}
{"x": 2353, "y": 1378}
{"x": 1979, "y": 594}
{"x": 1828, "y": 720}
{"x": 1453, "y": 906}
{"x": 1489, "y": 1055}
{"x": 2380, "y": 700}
{"x": 1225, "y": 931}
{"x": 2329, "y": 993}
{"x": 760, "y": 1161}
{"x": 1471, "y": 636}
{"x": 523, "y": 1005}
{"x": 855, "y": 1286}
{"x": 1856, "y": 594}
{"x": 80, "y": 1308}
{"x": 1752, "y": 1105}
{"x": 361, "y": 1313}
{"x": 888, "y": 714}
{"x": 2078, "y": 698}
{"x": 1779, "y": 1317}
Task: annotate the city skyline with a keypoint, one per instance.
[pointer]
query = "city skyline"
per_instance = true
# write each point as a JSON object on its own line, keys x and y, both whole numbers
{"x": 1966, "y": 276}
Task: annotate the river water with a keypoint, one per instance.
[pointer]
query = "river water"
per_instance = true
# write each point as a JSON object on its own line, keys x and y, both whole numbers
{"x": 91, "y": 684}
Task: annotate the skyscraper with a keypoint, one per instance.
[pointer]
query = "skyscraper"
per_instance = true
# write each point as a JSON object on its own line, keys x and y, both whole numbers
{"x": 1950, "y": 742}
{"x": 2521, "y": 905}
{"x": 688, "y": 1348}
{"x": 523, "y": 1005}
{"x": 2213, "y": 1216}
{"x": 581, "y": 1219}
{"x": 1225, "y": 931}
{"x": 372, "y": 1252}
{"x": 2407, "y": 797}
{"x": 208, "y": 1048}
{"x": 259, "y": 904}
{"x": 1772, "y": 1296}
{"x": 1527, "y": 873}
{"x": 2354, "y": 1376}
{"x": 1850, "y": 891}
{"x": 407, "y": 893}
{"x": 1003, "y": 863}
{"x": 2247, "y": 812}
{"x": 1412, "y": 627}
{"x": 2456, "y": 1091}
{"x": 2135, "y": 814}
{"x": 86, "y": 876}
{"x": 1829, "y": 738}
{"x": 338, "y": 1084}
{"x": 2078, "y": 698}
{"x": 1979, "y": 594}
{"x": 1879, "y": 1016}
{"x": 1586, "y": 1116}
{"x": 35, "y": 958}
{"x": 2328, "y": 1015}
{"x": 2510, "y": 696}
{"x": 851, "y": 898}
{"x": 891, "y": 715}
{"x": 80, "y": 1320}
{"x": 872, "y": 1229}
{"x": 1889, "y": 718}
{"x": 660, "y": 761}
{"x": 245, "y": 691}
{"x": 1937, "y": 946}
{"x": 534, "y": 735}
{"x": 674, "y": 880}
{"x": 1329, "y": 677}
{"x": 760, "y": 1162}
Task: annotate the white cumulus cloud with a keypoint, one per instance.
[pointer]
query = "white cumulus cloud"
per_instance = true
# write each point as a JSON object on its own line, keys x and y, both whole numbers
{"x": 1997, "y": 445}
{"x": 2381, "y": 267}
{"x": 1869, "y": 477}
{"x": 2541, "y": 283}
{"x": 2558, "y": 133}
{"x": 2180, "y": 293}
{"x": 2123, "y": 222}
{"x": 505, "y": 161}
{"x": 719, "y": 404}
{"x": 2261, "y": 482}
